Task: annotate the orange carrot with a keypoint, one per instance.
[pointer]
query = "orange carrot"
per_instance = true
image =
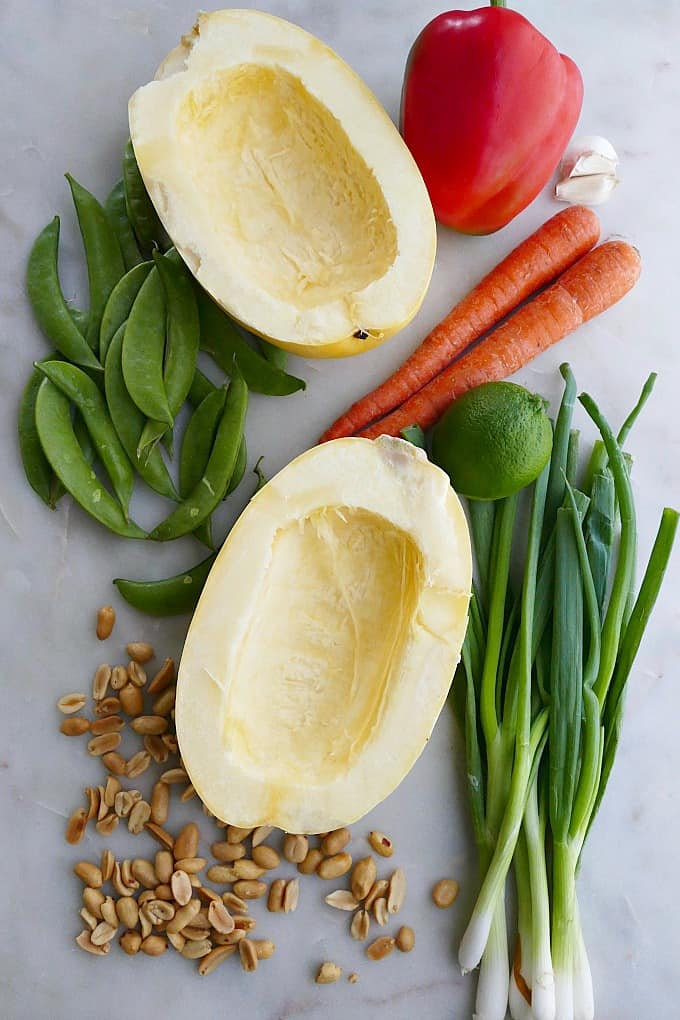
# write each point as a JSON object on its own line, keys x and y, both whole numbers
{"x": 535, "y": 262}
{"x": 597, "y": 281}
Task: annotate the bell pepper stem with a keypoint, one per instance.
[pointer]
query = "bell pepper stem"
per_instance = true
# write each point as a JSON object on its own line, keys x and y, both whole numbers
{"x": 498, "y": 3}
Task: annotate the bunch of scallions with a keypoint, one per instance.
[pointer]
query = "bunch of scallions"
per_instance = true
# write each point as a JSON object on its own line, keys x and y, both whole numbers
{"x": 540, "y": 694}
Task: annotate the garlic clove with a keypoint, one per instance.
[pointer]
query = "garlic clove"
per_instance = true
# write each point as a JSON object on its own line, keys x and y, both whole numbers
{"x": 587, "y": 171}
{"x": 588, "y": 154}
{"x": 592, "y": 163}
{"x": 589, "y": 189}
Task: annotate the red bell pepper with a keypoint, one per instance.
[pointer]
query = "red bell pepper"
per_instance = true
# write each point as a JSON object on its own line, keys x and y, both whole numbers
{"x": 488, "y": 107}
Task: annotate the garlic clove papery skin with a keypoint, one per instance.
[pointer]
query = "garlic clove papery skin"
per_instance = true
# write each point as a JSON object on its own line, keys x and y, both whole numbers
{"x": 593, "y": 163}
{"x": 587, "y": 171}
{"x": 588, "y": 154}
{"x": 593, "y": 189}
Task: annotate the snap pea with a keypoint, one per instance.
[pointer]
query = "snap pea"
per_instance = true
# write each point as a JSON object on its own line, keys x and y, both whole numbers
{"x": 206, "y": 495}
{"x": 80, "y": 318}
{"x": 39, "y": 474}
{"x": 143, "y": 350}
{"x": 204, "y": 533}
{"x": 60, "y": 445}
{"x": 85, "y": 442}
{"x": 200, "y": 387}
{"x": 181, "y": 345}
{"x": 129, "y": 421}
{"x": 240, "y": 468}
{"x": 171, "y": 596}
{"x": 116, "y": 210}
{"x": 152, "y": 432}
{"x": 198, "y": 441}
{"x": 222, "y": 339}
{"x": 275, "y": 355}
{"x": 260, "y": 475}
{"x": 57, "y": 490}
{"x": 84, "y": 438}
{"x": 105, "y": 264}
{"x": 48, "y": 301}
{"x": 119, "y": 305}
{"x": 37, "y": 468}
{"x": 141, "y": 213}
{"x": 84, "y": 393}
{"x": 184, "y": 328}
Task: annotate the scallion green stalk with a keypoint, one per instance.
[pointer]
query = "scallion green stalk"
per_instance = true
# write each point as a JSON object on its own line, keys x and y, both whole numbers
{"x": 598, "y": 459}
{"x": 649, "y": 591}
{"x": 550, "y": 666}
{"x": 477, "y": 933}
{"x": 560, "y": 451}
{"x": 482, "y": 518}
{"x": 499, "y": 571}
{"x": 625, "y": 565}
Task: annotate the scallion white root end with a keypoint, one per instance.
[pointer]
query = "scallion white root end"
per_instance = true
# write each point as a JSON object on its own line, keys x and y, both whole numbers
{"x": 584, "y": 1000}
{"x": 492, "y": 986}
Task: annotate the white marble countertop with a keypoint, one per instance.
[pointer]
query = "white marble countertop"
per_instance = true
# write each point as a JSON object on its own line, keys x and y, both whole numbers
{"x": 67, "y": 68}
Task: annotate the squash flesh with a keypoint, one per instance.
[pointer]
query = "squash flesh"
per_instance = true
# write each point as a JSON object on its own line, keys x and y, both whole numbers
{"x": 326, "y": 638}
{"x": 317, "y": 676}
{"x": 285, "y": 186}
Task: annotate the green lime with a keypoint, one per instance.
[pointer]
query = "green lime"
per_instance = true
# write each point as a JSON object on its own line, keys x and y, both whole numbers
{"x": 493, "y": 441}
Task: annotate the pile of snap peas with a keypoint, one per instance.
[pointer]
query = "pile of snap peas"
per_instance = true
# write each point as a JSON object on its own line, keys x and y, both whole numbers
{"x": 120, "y": 372}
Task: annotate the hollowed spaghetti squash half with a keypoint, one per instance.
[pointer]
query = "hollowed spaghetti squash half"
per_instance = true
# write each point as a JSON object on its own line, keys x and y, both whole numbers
{"x": 326, "y": 638}
{"x": 284, "y": 185}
